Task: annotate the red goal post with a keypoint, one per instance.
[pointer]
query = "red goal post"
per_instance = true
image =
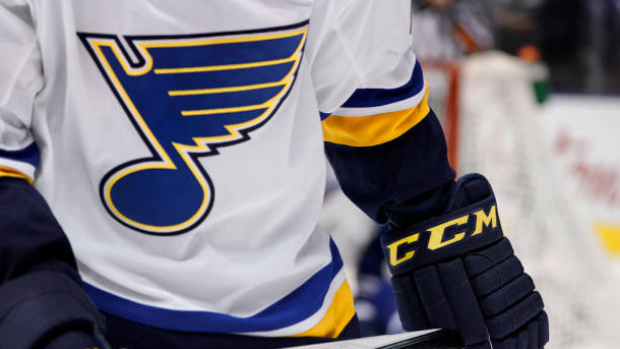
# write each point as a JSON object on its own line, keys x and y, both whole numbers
{"x": 443, "y": 83}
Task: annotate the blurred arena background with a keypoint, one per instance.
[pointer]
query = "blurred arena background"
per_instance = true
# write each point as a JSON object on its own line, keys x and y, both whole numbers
{"x": 528, "y": 92}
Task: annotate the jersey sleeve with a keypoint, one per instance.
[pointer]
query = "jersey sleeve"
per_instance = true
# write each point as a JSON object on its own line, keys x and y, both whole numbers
{"x": 31, "y": 240}
{"x": 384, "y": 142}
{"x": 21, "y": 79}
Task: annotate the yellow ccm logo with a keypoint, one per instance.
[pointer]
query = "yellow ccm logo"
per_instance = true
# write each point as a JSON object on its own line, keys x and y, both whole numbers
{"x": 436, "y": 238}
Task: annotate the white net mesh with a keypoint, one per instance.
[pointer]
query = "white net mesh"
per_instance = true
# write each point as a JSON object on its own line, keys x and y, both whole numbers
{"x": 498, "y": 135}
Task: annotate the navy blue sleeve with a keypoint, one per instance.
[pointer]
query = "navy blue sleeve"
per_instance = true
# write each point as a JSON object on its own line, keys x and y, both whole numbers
{"x": 42, "y": 300}
{"x": 389, "y": 152}
{"x": 30, "y": 237}
{"x": 383, "y": 177}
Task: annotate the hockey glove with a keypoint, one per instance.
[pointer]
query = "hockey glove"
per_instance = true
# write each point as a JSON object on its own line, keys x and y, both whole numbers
{"x": 458, "y": 272}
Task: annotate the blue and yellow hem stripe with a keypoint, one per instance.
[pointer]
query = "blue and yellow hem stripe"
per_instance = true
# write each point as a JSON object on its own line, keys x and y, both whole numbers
{"x": 338, "y": 315}
{"x": 283, "y": 316}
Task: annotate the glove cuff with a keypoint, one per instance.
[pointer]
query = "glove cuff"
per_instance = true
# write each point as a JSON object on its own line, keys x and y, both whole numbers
{"x": 452, "y": 235}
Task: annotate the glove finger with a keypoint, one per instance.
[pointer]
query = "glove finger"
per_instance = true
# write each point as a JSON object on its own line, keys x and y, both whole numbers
{"x": 532, "y": 335}
{"x": 478, "y": 262}
{"x": 507, "y": 296}
{"x": 543, "y": 329}
{"x": 410, "y": 308}
{"x": 463, "y": 303}
{"x": 485, "y": 345}
{"x": 513, "y": 342}
{"x": 495, "y": 278}
{"x": 508, "y": 343}
{"x": 525, "y": 339}
{"x": 434, "y": 298}
{"x": 527, "y": 309}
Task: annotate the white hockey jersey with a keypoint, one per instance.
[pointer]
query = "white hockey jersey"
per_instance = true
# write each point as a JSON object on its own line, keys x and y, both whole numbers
{"x": 180, "y": 145}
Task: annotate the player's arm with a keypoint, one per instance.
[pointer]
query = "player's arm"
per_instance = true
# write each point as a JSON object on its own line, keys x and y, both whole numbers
{"x": 384, "y": 142}
{"x": 452, "y": 266}
{"x": 42, "y": 303}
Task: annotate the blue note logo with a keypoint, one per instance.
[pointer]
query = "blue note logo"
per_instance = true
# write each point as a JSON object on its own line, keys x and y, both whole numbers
{"x": 187, "y": 96}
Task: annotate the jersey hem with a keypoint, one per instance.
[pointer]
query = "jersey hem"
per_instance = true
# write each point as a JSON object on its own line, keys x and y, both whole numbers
{"x": 292, "y": 309}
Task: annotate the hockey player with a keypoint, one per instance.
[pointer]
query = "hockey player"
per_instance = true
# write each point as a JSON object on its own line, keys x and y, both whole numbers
{"x": 172, "y": 152}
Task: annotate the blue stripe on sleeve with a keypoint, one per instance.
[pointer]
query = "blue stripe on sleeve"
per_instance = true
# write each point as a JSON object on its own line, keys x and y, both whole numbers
{"x": 368, "y": 98}
{"x": 29, "y": 155}
{"x": 295, "y": 307}
{"x": 325, "y": 115}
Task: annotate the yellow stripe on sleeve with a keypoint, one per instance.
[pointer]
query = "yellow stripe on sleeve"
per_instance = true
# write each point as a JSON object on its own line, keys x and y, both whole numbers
{"x": 338, "y": 316}
{"x": 368, "y": 131}
{"x": 13, "y": 173}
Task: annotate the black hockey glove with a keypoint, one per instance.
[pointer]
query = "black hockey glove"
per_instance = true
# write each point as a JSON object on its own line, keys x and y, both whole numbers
{"x": 458, "y": 272}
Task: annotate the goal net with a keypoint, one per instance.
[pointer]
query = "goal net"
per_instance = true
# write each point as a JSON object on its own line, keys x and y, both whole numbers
{"x": 488, "y": 109}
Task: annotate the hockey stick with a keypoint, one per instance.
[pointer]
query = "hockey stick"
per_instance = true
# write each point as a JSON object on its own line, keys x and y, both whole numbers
{"x": 434, "y": 339}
